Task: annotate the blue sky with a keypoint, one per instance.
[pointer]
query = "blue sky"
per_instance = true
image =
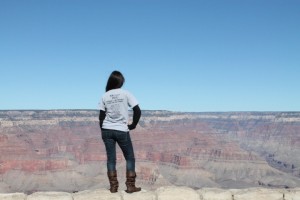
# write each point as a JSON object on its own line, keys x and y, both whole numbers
{"x": 178, "y": 55}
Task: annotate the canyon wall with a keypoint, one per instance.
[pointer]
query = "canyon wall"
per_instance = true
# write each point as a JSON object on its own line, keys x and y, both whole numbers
{"x": 62, "y": 150}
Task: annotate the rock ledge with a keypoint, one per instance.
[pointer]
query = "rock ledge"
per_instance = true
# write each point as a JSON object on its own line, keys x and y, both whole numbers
{"x": 165, "y": 193}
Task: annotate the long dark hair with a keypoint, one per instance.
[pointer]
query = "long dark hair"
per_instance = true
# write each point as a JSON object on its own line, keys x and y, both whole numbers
{"x": 115, "y": 80}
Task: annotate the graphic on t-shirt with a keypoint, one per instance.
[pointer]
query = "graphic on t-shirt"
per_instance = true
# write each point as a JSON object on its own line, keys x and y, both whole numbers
{"x": 115, "y": 111}
{"x": 115, "y": 106}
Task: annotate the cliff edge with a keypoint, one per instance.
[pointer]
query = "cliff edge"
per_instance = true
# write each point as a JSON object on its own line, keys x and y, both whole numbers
{"x": 165, "y": 193}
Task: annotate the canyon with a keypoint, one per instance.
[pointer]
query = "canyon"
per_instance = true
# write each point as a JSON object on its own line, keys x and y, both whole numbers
{"x": 62, "y": 150}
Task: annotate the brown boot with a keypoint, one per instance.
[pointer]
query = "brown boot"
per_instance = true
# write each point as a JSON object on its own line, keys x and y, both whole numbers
{"x": 130, "y": 182}
{"x": 114, "y": 184}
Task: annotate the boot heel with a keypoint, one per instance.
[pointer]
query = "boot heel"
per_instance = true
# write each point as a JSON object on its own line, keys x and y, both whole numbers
{"x": 130, "y": 182}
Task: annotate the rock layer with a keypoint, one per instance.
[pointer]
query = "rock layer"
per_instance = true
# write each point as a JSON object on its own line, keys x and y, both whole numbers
{"x": 165, "y": 193}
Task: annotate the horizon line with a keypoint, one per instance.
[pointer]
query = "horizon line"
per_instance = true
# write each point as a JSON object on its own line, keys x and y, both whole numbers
{"x": 161, "y": 110}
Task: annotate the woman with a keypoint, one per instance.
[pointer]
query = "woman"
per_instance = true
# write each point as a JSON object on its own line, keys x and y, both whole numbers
{"x": 114, "y": 126}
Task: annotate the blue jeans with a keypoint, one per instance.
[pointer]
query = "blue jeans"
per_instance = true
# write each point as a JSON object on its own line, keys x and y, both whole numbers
{"x": 110, "y": 138}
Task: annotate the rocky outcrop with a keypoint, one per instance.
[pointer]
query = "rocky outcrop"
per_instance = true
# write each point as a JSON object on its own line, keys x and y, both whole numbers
{"x": 62, "y": 150}
{"x": 164, "y": 193}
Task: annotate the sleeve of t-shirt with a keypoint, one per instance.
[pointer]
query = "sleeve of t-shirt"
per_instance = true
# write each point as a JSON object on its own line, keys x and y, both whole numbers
{"x": 131, "y": 100}
{"x": 102, "y": 105}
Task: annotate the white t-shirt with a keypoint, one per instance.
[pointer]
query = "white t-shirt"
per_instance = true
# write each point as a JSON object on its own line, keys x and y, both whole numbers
{"x": 115, "y": 103}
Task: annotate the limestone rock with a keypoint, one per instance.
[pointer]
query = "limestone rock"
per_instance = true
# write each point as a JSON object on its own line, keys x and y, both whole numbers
{"x": 292, "y": 195}
{"x": 13, "y": 196}
{"x": 142, "y": 195}
{"x": 177, "y": 193}
{"x": 164, "y": 193}
{"x": 214, "y": 194}
{"x": 50, "y": 196}
{"x": 101, "y": 194}
{"x": 257, "y": 194}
